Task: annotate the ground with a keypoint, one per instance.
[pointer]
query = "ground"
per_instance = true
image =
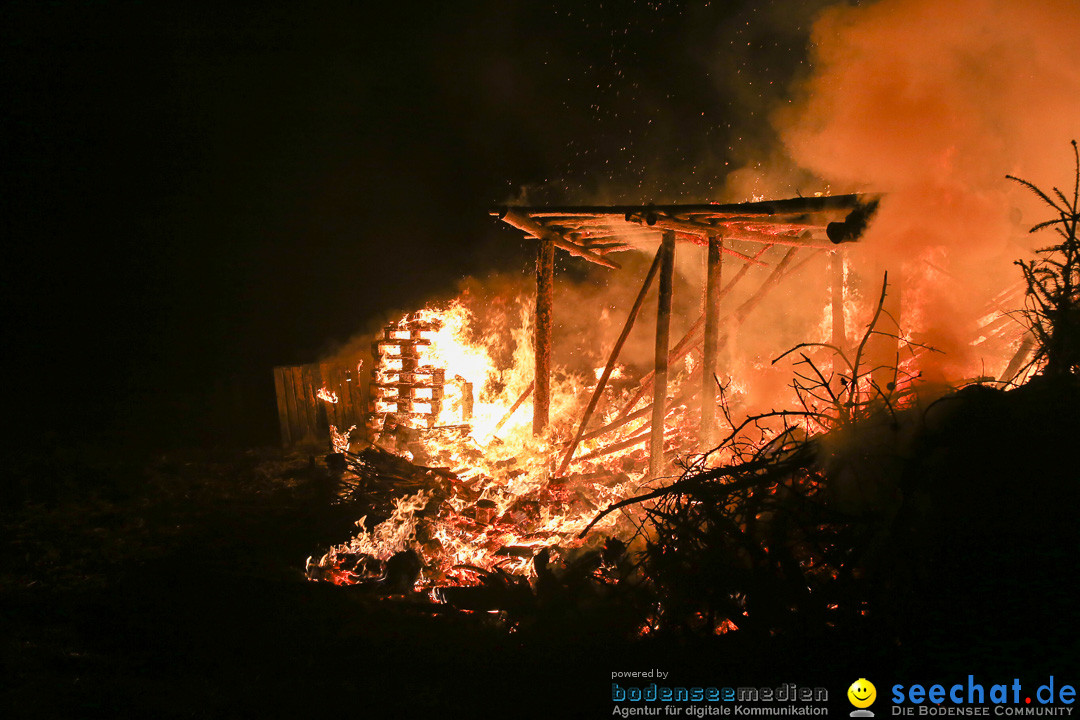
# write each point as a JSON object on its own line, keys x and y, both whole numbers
{"x": 173, "y": 586}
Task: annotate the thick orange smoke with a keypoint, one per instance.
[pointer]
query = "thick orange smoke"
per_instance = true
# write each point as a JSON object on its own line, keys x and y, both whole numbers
{"x": 933, "y": 103}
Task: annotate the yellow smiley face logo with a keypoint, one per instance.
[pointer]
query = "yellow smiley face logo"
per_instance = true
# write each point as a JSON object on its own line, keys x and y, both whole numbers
{"x": 862, "y": 693}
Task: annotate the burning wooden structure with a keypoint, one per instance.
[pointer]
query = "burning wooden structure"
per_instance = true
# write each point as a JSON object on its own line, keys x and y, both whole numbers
{"x": 398, "y": 391}
{"x": 804, "y": 227}
{"x": 482, "y": 499}
{"x": 476, "y": 492}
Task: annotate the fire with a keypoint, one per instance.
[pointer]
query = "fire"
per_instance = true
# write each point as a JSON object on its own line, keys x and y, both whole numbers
{"x": 455, "y": 400}
{"x": 340, "y": 440}
{"x": 617, "y": 372}
{"x": 441, "y": 400}
{"x": 328, "y": 395}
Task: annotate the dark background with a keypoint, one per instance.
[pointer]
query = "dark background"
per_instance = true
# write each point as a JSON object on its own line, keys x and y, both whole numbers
{"x": 195, "y": 193}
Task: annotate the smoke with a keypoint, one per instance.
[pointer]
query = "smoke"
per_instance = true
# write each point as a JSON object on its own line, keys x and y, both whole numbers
{"x": 930, "y": 103}
{"x": 934, "y": 103}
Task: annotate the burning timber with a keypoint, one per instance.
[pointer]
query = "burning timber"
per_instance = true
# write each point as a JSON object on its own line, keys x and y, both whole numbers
{"x": 482, "y": 461}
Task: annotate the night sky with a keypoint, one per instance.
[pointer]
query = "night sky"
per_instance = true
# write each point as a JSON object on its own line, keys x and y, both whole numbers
{"x": 194, "y": 194}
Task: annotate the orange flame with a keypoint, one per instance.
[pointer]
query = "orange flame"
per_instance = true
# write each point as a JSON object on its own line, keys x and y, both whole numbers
{"x": 497, "y": 504}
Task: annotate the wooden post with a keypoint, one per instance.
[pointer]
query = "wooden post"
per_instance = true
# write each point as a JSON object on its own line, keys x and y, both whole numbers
{"x": 545, "y": 281}
{"x": 660, "y": 361}
{"x": 707, "y": 431}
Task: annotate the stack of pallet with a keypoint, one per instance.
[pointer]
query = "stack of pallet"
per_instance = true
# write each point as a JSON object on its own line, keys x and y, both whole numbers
{"x": 405, "y": 391}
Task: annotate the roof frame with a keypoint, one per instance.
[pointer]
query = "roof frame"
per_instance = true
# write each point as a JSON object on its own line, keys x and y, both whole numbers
{"x": 591, "y": 232}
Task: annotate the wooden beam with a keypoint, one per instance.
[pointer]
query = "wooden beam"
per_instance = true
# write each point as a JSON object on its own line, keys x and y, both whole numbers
{"x": 804, "y": 239}
{"x": 694, "y": 238}
{"x": 545, "y": 288}
{"x": 639, "y": 439}
{"x": 789, "y": 206}
{"x": 527, "y": 224}
{"x": 770, "y": 282}
{"x": 602, "y": 382}
{"x": 698, "y": 230}
{"x": 513, "y": 409}
{"x": 356, "y": 381}
{"x": 797, "y": 234}
{"x": 998, "y": 326}
{"x": 770, "y": 227}
{"x": 707, "y": 430}
{"x": 288, "y": 377}
{"x": 316, "y": 415}
{"x": 587, "y": 224}
{"x": 615, "y": 425}
{"x": 642, "y": 433}
{"x": 305, "y": 401}
{"x": 660, "y": 357}
{"x": 641, "y": 412}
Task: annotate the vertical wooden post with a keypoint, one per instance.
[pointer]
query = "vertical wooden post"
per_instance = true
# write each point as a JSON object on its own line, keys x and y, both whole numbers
{"x": 545, "y": 280}
{"x": 707, "y": 432}
{"x": 660, "y": 362}
{"x": 839, "y": 331}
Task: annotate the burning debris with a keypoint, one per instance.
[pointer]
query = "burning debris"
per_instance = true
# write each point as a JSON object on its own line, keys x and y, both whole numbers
{"x": 460, "y": 532}
{"x": 463, "y": 486}
{"x": 470, "y": 501}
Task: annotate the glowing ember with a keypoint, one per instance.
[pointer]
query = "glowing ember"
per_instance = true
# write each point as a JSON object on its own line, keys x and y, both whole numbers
{"x": 477, "y": 493}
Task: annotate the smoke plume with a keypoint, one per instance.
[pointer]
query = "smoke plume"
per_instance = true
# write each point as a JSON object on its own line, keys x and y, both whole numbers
{"x": 934, "y": 103}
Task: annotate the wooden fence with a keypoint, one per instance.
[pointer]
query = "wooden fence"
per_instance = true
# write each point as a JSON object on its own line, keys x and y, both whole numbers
{"x": 304, "y": 416}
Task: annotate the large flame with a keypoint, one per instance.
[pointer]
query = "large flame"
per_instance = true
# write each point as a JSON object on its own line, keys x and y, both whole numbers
{"x": 492, "y": 500}
{"x": 499, "y": 504}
